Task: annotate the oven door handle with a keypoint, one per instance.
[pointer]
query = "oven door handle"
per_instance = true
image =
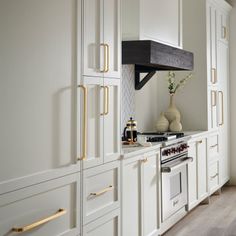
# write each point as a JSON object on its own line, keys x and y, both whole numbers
{"x": 184, "y": 161}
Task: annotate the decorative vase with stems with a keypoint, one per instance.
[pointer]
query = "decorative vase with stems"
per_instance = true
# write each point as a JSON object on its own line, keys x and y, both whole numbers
{"x": 172, "y": 114}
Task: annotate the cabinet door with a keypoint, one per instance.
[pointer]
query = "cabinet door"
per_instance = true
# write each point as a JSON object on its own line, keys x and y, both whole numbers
{"x": 37, "y": 86}
{"x": 131, "y": 198}
{"x": 212, "y": 41}
{"x": 202, "y": 169}
{"x": 93, "y": 50}
{"x": 92, "y": 141}
{"x": 111, "y": 118}
{"x": 161, "y": 20}
{"x": 112, "y": 38}
{"x": 192, "y": 176}
{"x": 150, "y": 194}
{"x": 223, "y": 111}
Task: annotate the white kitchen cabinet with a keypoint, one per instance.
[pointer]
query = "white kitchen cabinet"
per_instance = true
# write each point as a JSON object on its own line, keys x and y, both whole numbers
{"x": 223, "y": 26}
{"x": 158, "y": 20}
{"x": 108, "y": 225}
{"x": 38, "y": 87}
{"x": 223, "y": 111}
{"x": 101, "y": 191}
{"x": 100, "y": 121}
{"x": 197, "y": 172}
{"x": 140, "y": 195}
{"x": 57, "y": 202}
{"x": 101, "y": 38}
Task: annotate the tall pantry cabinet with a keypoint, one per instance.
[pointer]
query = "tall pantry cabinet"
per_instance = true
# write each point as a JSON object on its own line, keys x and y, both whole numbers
{"x": 205, "y": 33}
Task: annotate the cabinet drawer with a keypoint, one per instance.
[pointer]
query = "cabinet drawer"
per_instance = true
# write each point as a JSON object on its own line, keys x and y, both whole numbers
{"x": 49, "y": 209}
{"x": 101, "y": 191}
{"x": 214, "y": 176}
{"x": 213, "y": 145}
{"x": 108, "y": 225}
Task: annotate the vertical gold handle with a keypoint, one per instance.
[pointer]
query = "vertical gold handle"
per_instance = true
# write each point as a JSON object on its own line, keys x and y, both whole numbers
{"x": 108, "y": 100}
{"x": 26, "y": 228}
{"x": 213, "y": 76}
{"x": 104, "y": 58}
{"x": 107, "y": 58}
{"x": 213, "y": 98}
{"x": 224, "y": 32}
{"x": 104, "y": 101}
{"x": 222, "y": 108}
{"x": 84, "y": 152}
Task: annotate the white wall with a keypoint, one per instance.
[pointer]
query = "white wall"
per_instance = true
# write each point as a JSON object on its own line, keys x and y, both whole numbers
{"x": 232, "y": 92}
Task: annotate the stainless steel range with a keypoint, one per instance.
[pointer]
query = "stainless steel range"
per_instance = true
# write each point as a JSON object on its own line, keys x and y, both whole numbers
{"x": 174, "y": 160}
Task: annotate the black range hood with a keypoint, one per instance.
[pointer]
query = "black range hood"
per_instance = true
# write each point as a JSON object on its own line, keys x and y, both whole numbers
{"x": 150, "y": 56}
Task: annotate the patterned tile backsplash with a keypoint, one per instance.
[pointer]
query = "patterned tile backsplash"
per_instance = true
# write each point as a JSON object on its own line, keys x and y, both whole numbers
{"x": 128, "y": 95}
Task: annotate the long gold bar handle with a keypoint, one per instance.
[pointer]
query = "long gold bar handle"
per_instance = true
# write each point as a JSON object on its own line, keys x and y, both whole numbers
{"x": 107, "y": 100}
{"x": 110, "y": 188}
{"x": 107, "y": 58}
{"x": 104, "y": 100}
{"x": 84, "y": 152}
{"x": 213, "y": 76}
{"x": 26, "y": 228}
{"x": 104, "y": 58}
{"x": 222, "y": 107}
{"x": 224, "y": 32}
{"x": 213, "y": 98}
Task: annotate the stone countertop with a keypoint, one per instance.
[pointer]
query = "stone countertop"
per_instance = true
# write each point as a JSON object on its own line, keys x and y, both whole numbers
{"x": 129, "y": 151}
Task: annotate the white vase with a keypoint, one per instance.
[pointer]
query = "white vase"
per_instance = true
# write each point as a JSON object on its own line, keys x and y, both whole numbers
{"x": 162, "y": 123}
{"x": 175, "y": 125}
{"x": 172, "y": 111}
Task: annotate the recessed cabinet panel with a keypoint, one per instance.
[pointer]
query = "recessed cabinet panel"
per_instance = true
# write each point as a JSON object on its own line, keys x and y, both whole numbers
{"x": 93, "y": 37}
{"x": 56, "y": 202}
{"x": 37, "y": 86}
{"x": 112, "y": 37}
{"x": 94, "y": 123}
{"x": 112, "y": 120}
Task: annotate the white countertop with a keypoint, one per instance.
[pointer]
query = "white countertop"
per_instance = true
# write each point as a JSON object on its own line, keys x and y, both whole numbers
{"x": 129, "y": 151}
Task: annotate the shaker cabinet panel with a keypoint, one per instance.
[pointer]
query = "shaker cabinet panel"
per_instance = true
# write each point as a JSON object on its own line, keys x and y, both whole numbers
{"x": 37, "y": 86}
{"x": 112, "y": 120}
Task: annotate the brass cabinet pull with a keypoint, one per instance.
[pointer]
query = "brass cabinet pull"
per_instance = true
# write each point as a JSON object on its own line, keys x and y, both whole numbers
{"x": 222, "y": 106}
{"x": 110, "y": 188}
{"x": 23, "y": 229}
{"x": 84, "y": 152}
{"x": 144, "y": 160}
{"x": 199, "y": 142}
{"x": 224, "y": 32}
{"x": 107, "y": 59}
{"x": 213, "y": 146}
{"x": 214, "y": 176}
{"x": 213, "y": 76}
{"x": 213, "y": 98}
{"x": 105, "y": 100}
{"x": 104, "y": 58}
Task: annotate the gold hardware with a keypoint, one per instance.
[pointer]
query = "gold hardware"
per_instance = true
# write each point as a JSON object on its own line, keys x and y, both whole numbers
{"x": 144, "y": 160}
{"x": 213, "y": 146}
{"x": 23, "y": 229}
{"x": 213, "y": 98}
{"x": 84, "y": 153}
{"x": 224, "y": 32}
{"x": 104, "y": 58}
{"x": 199, "y": 142}
{"x": 107, "y": 52}
{"x": 222, "y": 106}
{"x": 105, "y": 100}
{"x": 213, "y": 76}
{"x": 110, "y": 188}
{"x": 214, "y": 176}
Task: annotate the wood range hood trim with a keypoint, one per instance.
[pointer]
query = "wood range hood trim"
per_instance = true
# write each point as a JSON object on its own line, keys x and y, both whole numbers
{"x": 150, "y": 56}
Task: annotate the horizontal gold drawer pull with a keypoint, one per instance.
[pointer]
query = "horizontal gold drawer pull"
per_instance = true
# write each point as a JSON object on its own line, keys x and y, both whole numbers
{"x": 144, "y": 160}
{"x": 23, "y": 229}
{"x": 214, "y": 176}
{"x": 110, "y": 188}
{"x": 213, "y": 146}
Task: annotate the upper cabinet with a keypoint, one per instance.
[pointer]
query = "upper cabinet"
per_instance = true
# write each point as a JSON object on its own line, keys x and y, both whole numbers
{"x": 101, "y": 38}
{"x": 158, "y": 20}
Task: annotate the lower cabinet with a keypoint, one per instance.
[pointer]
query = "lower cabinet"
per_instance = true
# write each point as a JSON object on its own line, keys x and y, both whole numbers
{"x": 197, "y": 172}
{"x": 108, "y": 225}
{"x": 140, "y": 195}
{"x": 51, "y": 208}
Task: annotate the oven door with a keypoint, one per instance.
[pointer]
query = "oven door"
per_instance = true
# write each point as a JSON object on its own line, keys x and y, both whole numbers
{"x": 174, "y": 186}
